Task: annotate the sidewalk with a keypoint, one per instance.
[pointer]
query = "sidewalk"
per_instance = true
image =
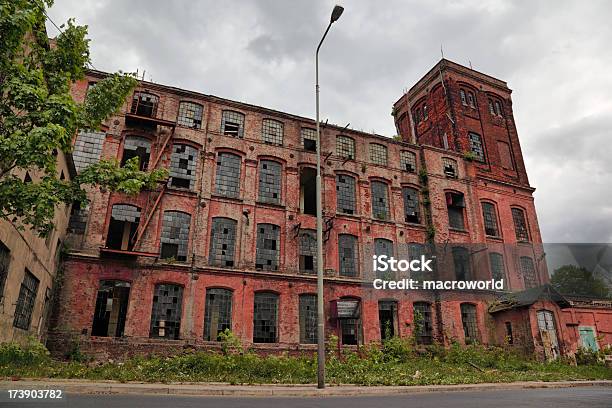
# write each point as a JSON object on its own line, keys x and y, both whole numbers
{"x": 268, "y": 390}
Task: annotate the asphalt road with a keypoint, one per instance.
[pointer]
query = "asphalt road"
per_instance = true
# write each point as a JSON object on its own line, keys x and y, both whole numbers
{"x": 592, "y": 397}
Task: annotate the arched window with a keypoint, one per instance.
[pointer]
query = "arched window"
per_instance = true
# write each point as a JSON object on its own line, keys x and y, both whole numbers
{"x": 222, "y": 242}
{"x": 345, "y": 147}
{"x": 411, "y": 205}
{"x": 308, "y": 319}
{"x": 423, "y": 323}
{"x": 348, "y": 255}
{"x": 232, "y": 123}
{"x": 476, "y": 146}
{"x": 190, "y": 115}
{"x": 217, "y": 312}
{"x": 175, "y": 235}
{"x": 270, "y": 181}
{"x": 166, "y": 313}
{"x": 183, "y": 163}
{"x": 265, "y": 317}
{"x": 408, "y": 161}
{"x": 144, "y": 104}
{"x": 489, "y": 216}
{"x": 268, "y": 247}
{"x": 469, "y": 321}
{"x": 380, "y": 200}
{"x": 520, "y": 225}
{"x": 227, "y": 179}
{"x": 272, "y": 132}
{"x": 345, "y": 194}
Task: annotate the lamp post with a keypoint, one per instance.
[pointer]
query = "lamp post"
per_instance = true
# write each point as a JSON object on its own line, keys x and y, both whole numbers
{"x": 336, "y": 13}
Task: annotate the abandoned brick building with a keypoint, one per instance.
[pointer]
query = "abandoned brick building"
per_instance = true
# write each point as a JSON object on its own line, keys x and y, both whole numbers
{"x": 229, "y": 241}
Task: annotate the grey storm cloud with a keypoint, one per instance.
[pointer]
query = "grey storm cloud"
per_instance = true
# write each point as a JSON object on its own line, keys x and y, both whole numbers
{"x": 555, "y": 55}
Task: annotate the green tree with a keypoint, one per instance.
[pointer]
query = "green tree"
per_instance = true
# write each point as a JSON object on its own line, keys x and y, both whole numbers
{"x": 38, "y": 117}
{"x": 572, "y": 280}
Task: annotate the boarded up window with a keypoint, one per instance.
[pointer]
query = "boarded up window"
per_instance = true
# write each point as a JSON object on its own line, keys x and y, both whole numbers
{"x": 227, "y": 180}
{"x": 270, "y": 181}
{"x": 87, "y": 148}
{"x": 345, "y": 147}
{"x": 308, "y": 319}
{"x": 461, "y": 261}
{"x": 309, "y": 139}
{"x": 347, "y": 252}
{"x": 268, "y": 247}
{"x": 520, "y": 225}
{"x": 490, "y": 219}
{"x": 468, "y": 318}
{"x": 272, "y": 132}
{"x": 166, "y": 313}
{"x": 380, "y": 200}
{"x": 528, "y": 272}
{"x": 25, "y": 301}
{"x": 476, "y": 146}
{"x": 175, "y": 235}
{"x": 455, "y": 205}
{"x": 505, "y": 157}
{"x": 136, "y": 146}
{"x": 498, "y": 271}
{"x": 218, "y": 312}
{"x": 265, "y": 318}
{"x": 423, "y": 323}
{"x": 190, "y": 115}
{"x": 378, "y": 154}
{"x": 408, "y": 161}
{"x": 411, "y": 205}
{"x": 308, "y": 251}
{"x": 5, "y": 263}
{"x": 345, "y": 194}
{"x": 232, "y": 124}
{"x": 183, "y": 164}
{"x": 222, "y": 242}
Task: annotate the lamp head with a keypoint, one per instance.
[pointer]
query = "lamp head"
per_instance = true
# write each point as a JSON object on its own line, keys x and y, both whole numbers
{"x": 336, "y": 13}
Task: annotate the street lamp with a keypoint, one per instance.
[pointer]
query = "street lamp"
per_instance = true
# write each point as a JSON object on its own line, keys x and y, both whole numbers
{"x": 336, "y": 13}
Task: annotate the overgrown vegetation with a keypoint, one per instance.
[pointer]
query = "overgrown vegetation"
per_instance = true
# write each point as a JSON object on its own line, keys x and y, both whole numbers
{"x": 396, "y": 362}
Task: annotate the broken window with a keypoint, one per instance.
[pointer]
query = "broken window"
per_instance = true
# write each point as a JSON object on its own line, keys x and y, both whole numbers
{"x": 498, "y": 109}
{"x": 471, "y": 100}
{"x": 166, "y": 313}
{"x": 222, "y": 242}
{"x": 380, "y": 200}
{"x": 309, "y": 139}
{"x": 144, "y": 104}
{"x": 476, "y": 146}
{"x": 122, "y": 227}
{"x": 5, "y": 263}
{"x": 308, "y": 191}
{"x": 387, "y": 318}
{"x": 423, "y": 327}
{"x": 25, "y": 301}
{"x": 496, "y": 261}
{"x": 175, "y": 235}
{"x": 272, "y": 132}
{"x": 411, "y": 205}
{"x": 270, "y": 181}
{"x": 87, "y": 148}
{"x": 491, "y": 108}
{"x": 347, "y": 253}
{"x": 111, "y": 308}
{"x": 384, "y": 247}
{"x": 78, "y": 218}
{"x": 218, "y": 313}
{"x": 308, "y": 251}
{"x": 190, "y": 115}
{"x": 455, "y": 205}
{"x": 308, "y": 319}
{"x": 350, "y": 329}
{"x": 232, "y": 123}
{"x": 449, "y": 166}
{"x": 520, "y": 225}
{"x": 183, "y": 164}
{"x": 268, "y": 247}
{"x": 415, "y": 251}
{"x": 461, "y": 261}
{"x": 345, "y": 194}
{"x": 528, "y": 272}
{"x": 345, "y": 147}
{"x": 468, "y": 319}
{"x": 136, "y": 146}
{"x": 408, "y": 161}
{"x": 378, "y": 154}
{"x": 265, "y": 318}
{"x": 490, "y": 219}
{"x": 227, "y": 182}
{"x": 462, "y": 96}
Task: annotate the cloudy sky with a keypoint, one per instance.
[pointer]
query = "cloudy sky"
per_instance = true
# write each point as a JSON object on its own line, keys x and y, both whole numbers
{"x": 555, "y": 55}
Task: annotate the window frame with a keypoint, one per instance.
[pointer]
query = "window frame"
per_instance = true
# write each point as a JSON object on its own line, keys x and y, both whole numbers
{"x": 345, "y": 144}
{"x": 268, "y": 125}
{"x": 182, "y": 118}
{"x": 491, "y": 219}
{"x": 240, "y": 120}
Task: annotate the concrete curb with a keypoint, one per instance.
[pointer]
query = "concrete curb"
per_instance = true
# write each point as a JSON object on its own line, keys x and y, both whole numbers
{"x": 273, "y": 390}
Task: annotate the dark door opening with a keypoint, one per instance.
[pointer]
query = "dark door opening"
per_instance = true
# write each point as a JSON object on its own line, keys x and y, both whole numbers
{"x": 111, "y": 309}
{"x": 387, "y": 312}
{"x": 308, "y": 191}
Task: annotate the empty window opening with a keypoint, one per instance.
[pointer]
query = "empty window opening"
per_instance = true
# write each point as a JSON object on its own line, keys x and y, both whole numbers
{"x": 175, "y": 235}
{"x": 461, "y": 261}
{"x": 347, "y": 253}
{"x": 308, "y": 319}
{"x": 272, "y": 132}
{"x": 227, "y": 180}
{"x": 345, "y": 194}
{"x": 232, "y": 124}
{"x": 25, "y": 301}
{"x": 509, "y": 336}
{"x": 144, "y": 104}
{"x": 384, "y": 247}
{"x": 308, "y": 251}
{"x": 408, "y": 161}
{"x": 222, "y": 242}
{"x": 87, "y": 148}
{"x": 122, "y": 227}
{"x": 498, "y": 270}
{"x": 218, "y": 313}
{"x": 520, "y": 225}
{"x": 268, "y": 247}
{"x": 265, "y": 318}
{"x": 270, "y": 181}
{"x": 190, "y": 115}
{"x": 350, "y": 328}
{"x": 423, "y": 327}
{"x": 489, "y": 216}
{"x": 5, "y": 263}
{"x": 309, "y": 139}
{"x": 387, "y": 318}
{"x": 111, "y": 309}
{"x": 183, "y": 164}
{"x": 476, "y": 146}
{"x": 449, "y": 166}
{"x": 411, "y": 205}
{"x": 345, "y": 147}
{"x": 166, "y": 313}
{"x": 380, "y": 200}
{"x": 468, "y": 319}
{"x": 455, "y": 205}
{"x": 528, "y": 272}
{"x": 378, "y": 154}
{"x": 136, "y": 146}
{"x": 308, "y": 191}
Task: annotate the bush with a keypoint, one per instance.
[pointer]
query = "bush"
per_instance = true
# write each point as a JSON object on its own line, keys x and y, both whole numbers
{"x": 588, "y": 357}
{"x": 397, "y": 349}
{"x": 33, "y": 353}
